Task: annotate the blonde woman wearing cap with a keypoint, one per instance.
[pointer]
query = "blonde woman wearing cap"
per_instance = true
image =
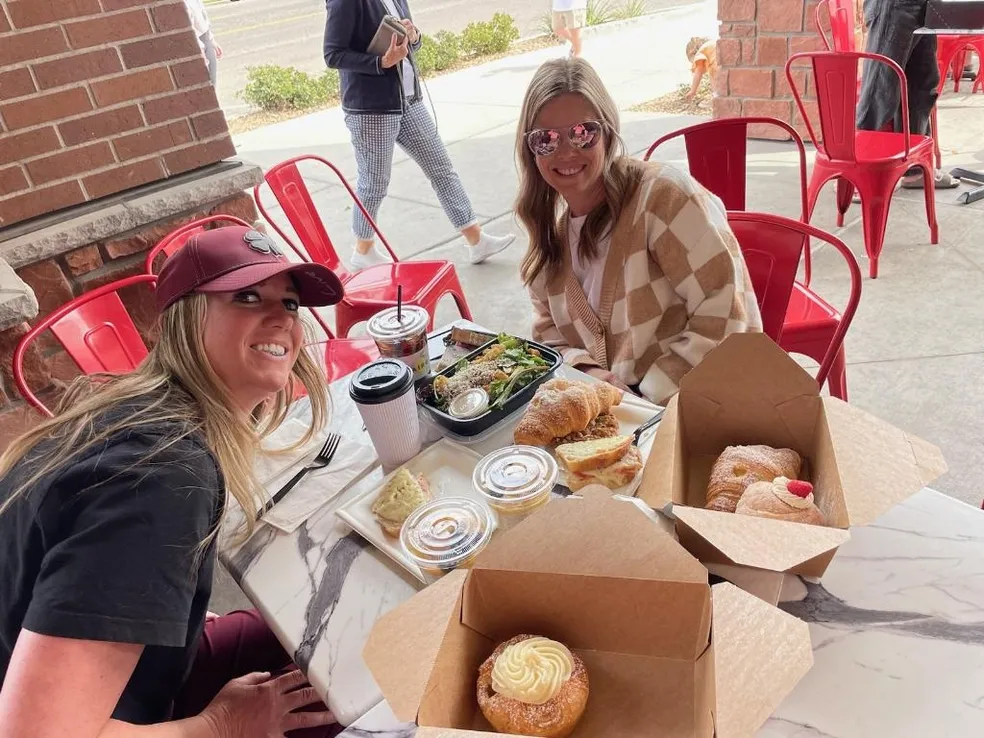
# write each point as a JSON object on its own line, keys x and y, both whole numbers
{"x": 109, "y": 513}
{"x": 632, "y": 269}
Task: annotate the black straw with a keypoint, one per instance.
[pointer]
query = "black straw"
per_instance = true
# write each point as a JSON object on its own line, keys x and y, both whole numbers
{"x": 399, "y": 303}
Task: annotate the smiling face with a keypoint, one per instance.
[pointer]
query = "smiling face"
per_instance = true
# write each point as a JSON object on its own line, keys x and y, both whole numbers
{"x": 575, "y": 173}
{"x": 252, "y": 338}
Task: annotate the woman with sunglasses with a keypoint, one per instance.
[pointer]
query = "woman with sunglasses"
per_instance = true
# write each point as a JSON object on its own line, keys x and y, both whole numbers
{"x": 109, "y": 514}
{"x": 632, "y": 269}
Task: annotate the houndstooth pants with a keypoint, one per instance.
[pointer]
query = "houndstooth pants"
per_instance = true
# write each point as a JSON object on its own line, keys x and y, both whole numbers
{"x": 373, "y": 138}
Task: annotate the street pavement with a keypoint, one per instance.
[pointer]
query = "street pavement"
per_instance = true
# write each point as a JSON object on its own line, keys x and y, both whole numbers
{"x": 289, "y": 32}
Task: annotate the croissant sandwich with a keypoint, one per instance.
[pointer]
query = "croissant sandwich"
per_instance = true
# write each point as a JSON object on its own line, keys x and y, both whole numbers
{"x": 561, "y": 407}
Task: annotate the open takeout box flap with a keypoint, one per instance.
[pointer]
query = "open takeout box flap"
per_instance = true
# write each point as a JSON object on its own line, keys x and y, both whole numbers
{"x": 746, "y": 376}
{"x": 593, "y": 535}
{"x": 404, "y": 644}
{"x": 760, "y": 654}
{"x": 455, "y": 733}
{"x": 659, "y": 475}
{"x": 747, "y": 540}
{"x": 879, "y": 465}
{"x": 592, "y": 553}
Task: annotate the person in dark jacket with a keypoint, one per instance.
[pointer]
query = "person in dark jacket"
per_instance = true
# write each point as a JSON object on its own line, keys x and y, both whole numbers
{"x": 891, "y": 32}
{"x": 383, "y": 106}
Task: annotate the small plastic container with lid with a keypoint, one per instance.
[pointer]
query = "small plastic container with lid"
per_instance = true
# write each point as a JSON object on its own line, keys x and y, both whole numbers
{"x": 515, "y": 481}
{"x": 446, "y": 534}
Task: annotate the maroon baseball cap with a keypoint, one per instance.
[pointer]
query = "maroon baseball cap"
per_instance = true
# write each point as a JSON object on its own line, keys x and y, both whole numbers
{"x": 233, "y": 258}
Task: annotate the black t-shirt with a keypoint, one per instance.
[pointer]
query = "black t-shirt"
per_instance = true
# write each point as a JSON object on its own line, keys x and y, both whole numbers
{"x": 107, "y": 548}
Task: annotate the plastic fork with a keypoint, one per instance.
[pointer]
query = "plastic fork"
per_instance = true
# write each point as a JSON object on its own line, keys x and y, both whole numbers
{"x": 324, "y": 457}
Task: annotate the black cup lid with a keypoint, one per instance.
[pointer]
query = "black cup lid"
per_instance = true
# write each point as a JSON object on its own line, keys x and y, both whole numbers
{"x": 380, "y": 381}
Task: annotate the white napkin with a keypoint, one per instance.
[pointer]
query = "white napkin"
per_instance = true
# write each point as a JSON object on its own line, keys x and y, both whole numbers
{"x": 354, "y": 456}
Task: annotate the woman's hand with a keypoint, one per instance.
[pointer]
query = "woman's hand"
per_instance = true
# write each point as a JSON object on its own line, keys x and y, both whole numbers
{"x": 412, "y": 33}
{"x": 396, "y": 52}
{"x": 256, "y": 706}
{"x": 606, "y": 376}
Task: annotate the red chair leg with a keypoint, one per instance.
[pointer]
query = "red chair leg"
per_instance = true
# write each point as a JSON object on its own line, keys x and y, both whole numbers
{"x": 837, "y": 378}
{"x": 936, "y": 138}
{"x": 929, "y": 189}
{"x": 813, "y": 193}
{"x": 874, "y": 210}
{"x": 845, "y": 191}
{"x": 957, "y": 65}
{"x": 345, "y": 318}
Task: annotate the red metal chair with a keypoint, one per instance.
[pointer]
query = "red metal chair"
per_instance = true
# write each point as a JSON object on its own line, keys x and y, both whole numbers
{"x": 342, "y": 356}
{"x": 96, "y": 332}
{"x": 717, "y": 158}
{"x": 369, "y": 290}
{"x": 871, "y": 161}
{"x": 772, "y": 247}
{"x": 840, "y": 16}
{"x": 951, "y": 54}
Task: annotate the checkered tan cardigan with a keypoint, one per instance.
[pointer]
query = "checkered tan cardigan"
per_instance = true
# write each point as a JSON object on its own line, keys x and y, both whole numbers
{"x": 674, "y": 285}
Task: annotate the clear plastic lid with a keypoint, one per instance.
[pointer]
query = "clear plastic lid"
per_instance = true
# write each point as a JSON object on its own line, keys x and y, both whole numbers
{"x": 446, "y": 532}
{"x": 469, "y": 404}
{"x": 390, "y": 325}
{"x": 515, "y": 475}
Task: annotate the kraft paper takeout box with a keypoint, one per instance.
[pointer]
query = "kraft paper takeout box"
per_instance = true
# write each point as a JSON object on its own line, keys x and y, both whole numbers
{"x": 749, "y": 391}
{"x": 666, "y": 654}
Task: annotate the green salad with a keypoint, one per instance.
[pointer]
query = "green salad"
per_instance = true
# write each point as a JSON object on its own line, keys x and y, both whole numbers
{"x": 502, "y": 370}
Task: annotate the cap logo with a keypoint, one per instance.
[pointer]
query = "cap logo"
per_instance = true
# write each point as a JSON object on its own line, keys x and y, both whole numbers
{"x": 262, "y": 243}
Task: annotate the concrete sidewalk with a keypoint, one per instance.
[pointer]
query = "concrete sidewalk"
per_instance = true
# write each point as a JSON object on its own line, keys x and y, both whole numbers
{"x": 916, "y": 348}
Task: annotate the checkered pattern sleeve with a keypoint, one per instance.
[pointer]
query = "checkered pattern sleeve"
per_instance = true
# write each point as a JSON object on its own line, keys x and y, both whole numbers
{"x": 691, "y": 240}
{"x": 545, "y": 330}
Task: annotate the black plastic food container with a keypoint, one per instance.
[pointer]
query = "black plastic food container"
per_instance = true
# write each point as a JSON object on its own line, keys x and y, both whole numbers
{"x": 474, "y": 426}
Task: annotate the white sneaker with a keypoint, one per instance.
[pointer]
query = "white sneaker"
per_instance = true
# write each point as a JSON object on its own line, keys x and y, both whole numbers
{"x": 488, "y": 245}
{"x": 368, "y": 259}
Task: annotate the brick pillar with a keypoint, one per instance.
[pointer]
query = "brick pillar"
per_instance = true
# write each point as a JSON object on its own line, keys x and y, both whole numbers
{"x": 756, "y": 39}
{"x": 97, "y": 98}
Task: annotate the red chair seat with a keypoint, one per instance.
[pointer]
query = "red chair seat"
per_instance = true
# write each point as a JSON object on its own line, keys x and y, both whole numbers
{"x": 874, "y": 147}
{"x": 379, "y": 283}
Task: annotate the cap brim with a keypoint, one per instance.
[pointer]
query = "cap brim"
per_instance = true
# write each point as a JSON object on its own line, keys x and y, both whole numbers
{"x": 317, "y": 285}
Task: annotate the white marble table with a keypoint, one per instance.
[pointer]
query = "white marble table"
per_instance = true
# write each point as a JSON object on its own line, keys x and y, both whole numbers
{"x": 897, "y": 623}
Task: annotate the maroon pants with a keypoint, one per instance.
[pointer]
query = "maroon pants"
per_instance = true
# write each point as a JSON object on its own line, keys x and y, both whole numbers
{"x": 232, "y": 646}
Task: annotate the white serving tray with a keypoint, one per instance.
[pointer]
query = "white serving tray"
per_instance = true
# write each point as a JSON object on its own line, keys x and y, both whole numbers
{"x": 448, "y": 468}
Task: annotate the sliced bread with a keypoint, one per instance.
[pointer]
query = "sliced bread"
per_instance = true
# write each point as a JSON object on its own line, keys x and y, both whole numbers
{"x": 588, "y": 455}
{"x": 617, "y": 475}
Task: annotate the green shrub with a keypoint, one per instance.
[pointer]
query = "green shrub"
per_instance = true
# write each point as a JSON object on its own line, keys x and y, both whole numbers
{"x": 632, "y": 9}
{"x": 438, "y": 53}
{"x": 272, "y": 87}
{"x": 601, "y": 11}
{"x": 489, "y": 37}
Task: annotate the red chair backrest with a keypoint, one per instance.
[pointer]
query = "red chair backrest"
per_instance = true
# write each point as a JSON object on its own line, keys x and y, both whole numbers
{"x": 840, "y": 13}
{"x": 717, "y": 153}
{"x": 835, "y": 75}
{"x": 96, "y": 331}
{"x": 180, "y": 235}
{"x": 772, "y": 246}
{"x": 287, "y": 185}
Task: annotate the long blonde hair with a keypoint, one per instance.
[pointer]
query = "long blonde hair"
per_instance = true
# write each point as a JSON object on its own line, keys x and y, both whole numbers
{"x": 538, "y": 205}
{"x": 185, "y": 394}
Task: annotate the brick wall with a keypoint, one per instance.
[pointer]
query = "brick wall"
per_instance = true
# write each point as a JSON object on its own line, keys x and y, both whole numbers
{"x": 96, "y": 97}
{"x": 55, "y": 281}
{"x": 757, "y": 37}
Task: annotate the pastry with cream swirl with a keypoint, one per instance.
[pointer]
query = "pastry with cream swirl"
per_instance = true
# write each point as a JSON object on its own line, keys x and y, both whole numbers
{"x": 781, "y": 499}
{"x": 533, "y": 686}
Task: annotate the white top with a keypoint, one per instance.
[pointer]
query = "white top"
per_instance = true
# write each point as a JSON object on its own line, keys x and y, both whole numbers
{"x": 408, "y": 89}
{"x": 199, "y": 17}
{"x": 562, "y": 5}
{"x": 589, "y": 273}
